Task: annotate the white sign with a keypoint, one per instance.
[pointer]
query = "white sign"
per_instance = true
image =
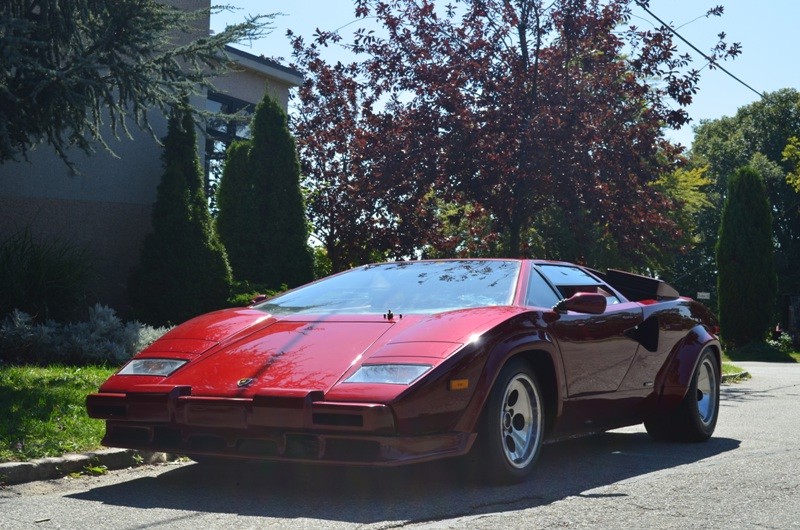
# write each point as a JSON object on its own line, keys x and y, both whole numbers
{"x": 703, "y": 296}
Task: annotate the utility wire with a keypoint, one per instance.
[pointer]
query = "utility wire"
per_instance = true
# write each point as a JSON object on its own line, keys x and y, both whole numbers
{"x": 711, "y": 61}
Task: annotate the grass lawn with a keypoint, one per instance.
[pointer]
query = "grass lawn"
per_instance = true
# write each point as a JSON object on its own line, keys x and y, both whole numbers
{"x": 43, "y": 412}
{"x": 729, "y": 368}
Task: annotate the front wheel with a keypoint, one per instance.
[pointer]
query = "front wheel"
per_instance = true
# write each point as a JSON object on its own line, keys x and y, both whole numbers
{"x": 512, "y": 427}
{"x": 696, "y": 417}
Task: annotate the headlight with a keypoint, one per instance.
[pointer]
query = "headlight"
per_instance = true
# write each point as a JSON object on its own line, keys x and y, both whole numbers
{"x": 394, "y": 374}
{"x": 162, "y": 367}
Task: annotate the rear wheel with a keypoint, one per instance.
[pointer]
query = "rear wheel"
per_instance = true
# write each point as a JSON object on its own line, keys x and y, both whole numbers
{"x": 696, "y": 417}
{"x": 510, "y": 436}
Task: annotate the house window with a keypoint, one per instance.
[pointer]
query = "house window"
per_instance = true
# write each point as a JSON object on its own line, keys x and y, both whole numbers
{"x": 232, "y": 122}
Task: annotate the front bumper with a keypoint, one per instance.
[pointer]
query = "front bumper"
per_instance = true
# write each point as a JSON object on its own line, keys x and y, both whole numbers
{"x": 278, "y": 425}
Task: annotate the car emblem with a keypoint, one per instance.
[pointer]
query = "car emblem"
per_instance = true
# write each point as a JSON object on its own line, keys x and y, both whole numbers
{"x": 247, "y": 381}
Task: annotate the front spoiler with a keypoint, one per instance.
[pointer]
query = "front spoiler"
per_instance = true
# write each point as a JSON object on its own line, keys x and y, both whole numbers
{"x": 279, "y": 425}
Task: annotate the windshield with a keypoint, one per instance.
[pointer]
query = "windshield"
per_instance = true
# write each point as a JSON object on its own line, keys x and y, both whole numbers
{"x": 404, "y": 288}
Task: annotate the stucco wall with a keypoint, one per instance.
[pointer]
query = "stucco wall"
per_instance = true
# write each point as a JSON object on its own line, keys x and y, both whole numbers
{"x": 249, "y": 86}
{"x": 105, "y": 208}
{"x": 130, "y": 174}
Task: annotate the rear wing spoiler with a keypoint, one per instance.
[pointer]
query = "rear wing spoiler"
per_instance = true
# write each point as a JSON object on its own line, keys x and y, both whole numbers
{"x": 636, "y": 287}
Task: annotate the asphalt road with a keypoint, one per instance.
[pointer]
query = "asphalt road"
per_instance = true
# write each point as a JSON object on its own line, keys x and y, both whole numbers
{"x": 746, "y": 476}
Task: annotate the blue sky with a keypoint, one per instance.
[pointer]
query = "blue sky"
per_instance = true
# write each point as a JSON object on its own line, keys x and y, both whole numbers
{"x": 765, "y": 28}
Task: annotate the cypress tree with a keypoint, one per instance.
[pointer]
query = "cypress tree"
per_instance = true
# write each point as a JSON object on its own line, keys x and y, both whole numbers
{"x": 262, "y": 216}
{"x": 236, "y": 219}
{"x": 183, "y": 269}
{"x": 746, "y": 283}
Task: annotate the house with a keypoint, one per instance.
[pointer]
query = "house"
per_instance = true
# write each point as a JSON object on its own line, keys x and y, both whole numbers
{"x": 106, "y": 206}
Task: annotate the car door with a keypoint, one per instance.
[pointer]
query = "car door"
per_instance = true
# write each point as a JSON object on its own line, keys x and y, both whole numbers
{"x": 595, "y": 351}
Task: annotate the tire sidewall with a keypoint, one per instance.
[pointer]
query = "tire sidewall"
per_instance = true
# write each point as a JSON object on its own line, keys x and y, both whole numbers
{"x": 702, "y": 430}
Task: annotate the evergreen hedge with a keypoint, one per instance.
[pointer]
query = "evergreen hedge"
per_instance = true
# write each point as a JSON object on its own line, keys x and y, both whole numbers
{"x": 235, "y": 222}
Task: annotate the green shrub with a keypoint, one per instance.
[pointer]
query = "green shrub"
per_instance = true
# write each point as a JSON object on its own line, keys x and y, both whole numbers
{"x": 103, "y": 338}
{"x": 762, "y": 352}
{"x": 244, "y": 292}
{"x": 237, "y": 199}
{"x": 322, "y": 263}
{"x": 46, "y": 279}
{"x": 783, "y": 343}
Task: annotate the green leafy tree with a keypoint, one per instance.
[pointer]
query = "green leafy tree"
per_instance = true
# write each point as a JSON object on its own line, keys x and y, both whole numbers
{"x": 746, "y": 284}
{"x": 68, "y": 66}
{"x": 690, "y": 190}
{"x": 791, "y": 154}
{"x": 261, "y": 216}
{"x": 184, "y": 269}
{"x": 758, "y": 136}
{"x": 687, "y": 187}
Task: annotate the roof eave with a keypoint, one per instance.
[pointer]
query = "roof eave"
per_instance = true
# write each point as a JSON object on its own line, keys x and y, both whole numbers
{"x": 265, "y": 66}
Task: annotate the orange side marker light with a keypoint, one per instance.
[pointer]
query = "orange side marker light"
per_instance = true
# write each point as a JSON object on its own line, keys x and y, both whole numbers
{"x": 459, "y": 384}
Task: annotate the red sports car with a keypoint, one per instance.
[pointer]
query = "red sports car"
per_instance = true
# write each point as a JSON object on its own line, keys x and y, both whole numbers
{"x": 405, "y": 362}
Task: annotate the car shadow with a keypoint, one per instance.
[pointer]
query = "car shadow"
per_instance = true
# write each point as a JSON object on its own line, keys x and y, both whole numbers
{"x": 419, "y": 493}
{"x": 741, "y": 393}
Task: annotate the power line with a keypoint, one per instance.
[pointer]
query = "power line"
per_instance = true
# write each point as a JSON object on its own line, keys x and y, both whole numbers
{"x": 711, "y": 61}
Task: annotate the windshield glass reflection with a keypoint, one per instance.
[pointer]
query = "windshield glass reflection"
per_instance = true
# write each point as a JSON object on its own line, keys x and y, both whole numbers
{"x": 404, "y": 288}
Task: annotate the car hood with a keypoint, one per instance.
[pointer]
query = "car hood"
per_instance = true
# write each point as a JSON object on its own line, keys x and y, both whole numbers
{"x": 244, "y": 352}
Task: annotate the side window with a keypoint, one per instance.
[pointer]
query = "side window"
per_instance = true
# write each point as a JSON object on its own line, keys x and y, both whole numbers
{"x": 571, "y": 280}
{"x": 540, "y": 294}
{"x": 566, "y": 275}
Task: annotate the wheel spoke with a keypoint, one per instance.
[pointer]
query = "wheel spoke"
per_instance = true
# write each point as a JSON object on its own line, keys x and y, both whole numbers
{"x": 520, "y": 438}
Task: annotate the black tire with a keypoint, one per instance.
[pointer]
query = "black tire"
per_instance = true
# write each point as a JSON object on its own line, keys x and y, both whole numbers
{"x": 696, "y": 417}
{"x": 512, "y": 425}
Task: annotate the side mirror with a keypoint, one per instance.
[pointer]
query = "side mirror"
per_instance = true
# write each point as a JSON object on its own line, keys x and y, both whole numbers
{"x": 590, "y": 303}
{"x": 258, "y": 299}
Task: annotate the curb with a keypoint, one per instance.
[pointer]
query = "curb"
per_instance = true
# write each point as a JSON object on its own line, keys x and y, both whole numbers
{"x": 738, "y": 376}
{"x": 57, "y": 467}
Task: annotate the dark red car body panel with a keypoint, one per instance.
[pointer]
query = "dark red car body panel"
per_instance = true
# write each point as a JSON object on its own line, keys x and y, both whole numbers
{"x": 271, "y": 387}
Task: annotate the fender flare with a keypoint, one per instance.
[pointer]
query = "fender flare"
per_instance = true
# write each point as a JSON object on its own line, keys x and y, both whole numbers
{"x": 674, "y": 380}
{"x": 528, "y": 342}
